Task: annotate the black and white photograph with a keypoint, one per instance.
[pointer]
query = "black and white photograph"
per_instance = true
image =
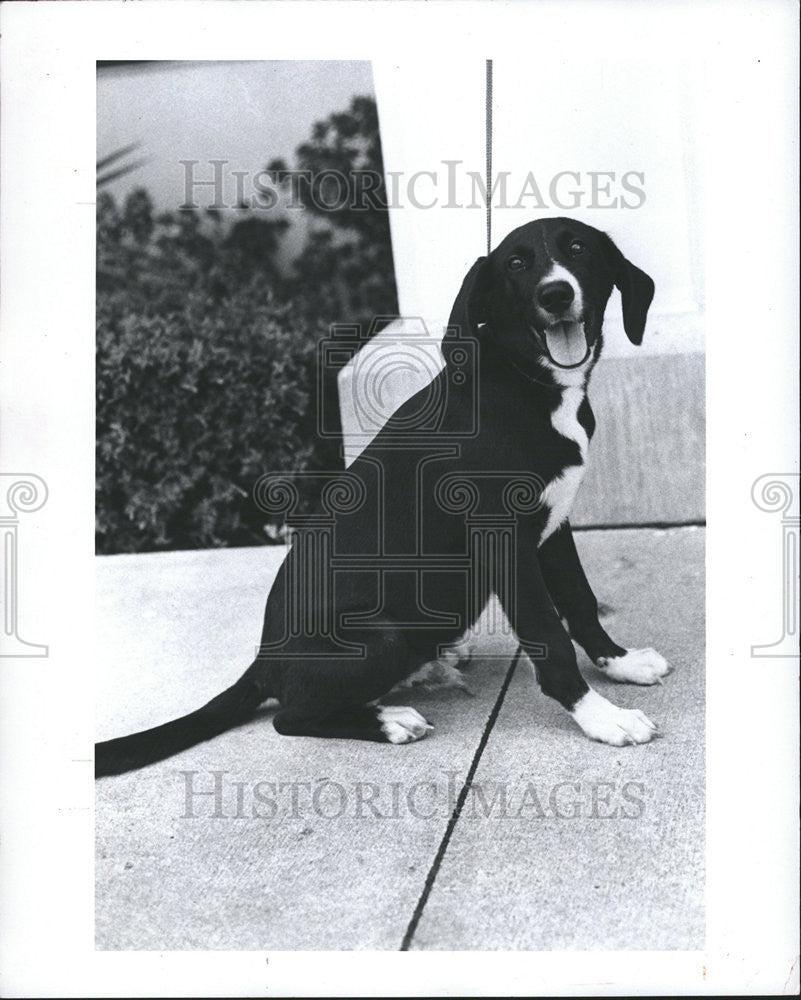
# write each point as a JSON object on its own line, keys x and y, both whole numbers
{"x": 225, "y": 319}
{"x": 400, "y": 498}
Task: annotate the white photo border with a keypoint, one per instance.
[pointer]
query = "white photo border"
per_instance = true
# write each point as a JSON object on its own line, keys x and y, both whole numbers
{"x": 49, "y": 53}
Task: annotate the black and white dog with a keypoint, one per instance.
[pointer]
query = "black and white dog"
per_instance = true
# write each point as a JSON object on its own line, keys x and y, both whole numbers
{"x": 535, "y": 308}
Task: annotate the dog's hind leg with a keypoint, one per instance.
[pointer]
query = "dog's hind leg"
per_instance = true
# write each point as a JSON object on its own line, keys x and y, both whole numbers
{"x": 334, "y": 697}
{"x": 378, "y": 723}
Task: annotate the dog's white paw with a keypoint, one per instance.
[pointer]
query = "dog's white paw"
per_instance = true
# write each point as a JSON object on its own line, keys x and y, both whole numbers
{"x": 603, "y": 721}
{"x": 637, "y": 666}
{"x": 401, "y": 724}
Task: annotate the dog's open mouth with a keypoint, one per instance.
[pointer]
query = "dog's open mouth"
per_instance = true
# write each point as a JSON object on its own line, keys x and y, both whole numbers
{"x": 565, "y": 343}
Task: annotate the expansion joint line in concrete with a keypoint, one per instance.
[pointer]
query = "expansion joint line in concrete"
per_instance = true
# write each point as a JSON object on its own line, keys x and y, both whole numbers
{"x": 443, "y": 847}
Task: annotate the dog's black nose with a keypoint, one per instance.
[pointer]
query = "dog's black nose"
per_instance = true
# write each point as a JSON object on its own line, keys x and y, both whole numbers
{"x": 555, "y": 296}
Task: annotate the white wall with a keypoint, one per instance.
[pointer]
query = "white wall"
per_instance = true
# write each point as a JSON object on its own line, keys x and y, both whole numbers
{"x": 557, "y": 113}
{"x": 591, "y": 116}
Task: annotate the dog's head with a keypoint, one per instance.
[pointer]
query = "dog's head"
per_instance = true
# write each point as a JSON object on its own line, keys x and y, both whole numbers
{"x": 541, "y": 294}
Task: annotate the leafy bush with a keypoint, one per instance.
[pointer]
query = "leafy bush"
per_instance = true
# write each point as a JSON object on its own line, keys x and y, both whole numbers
{"x": 206, "y": 352}
{"x": 346, "y": 270}
{"x": 192, "y": 408}
{"x": 151, "y": 263}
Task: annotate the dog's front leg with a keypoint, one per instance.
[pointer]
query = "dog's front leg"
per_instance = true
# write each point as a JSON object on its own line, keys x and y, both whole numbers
{"x": 543, "y": 637}
{"x": 575, "y": 601}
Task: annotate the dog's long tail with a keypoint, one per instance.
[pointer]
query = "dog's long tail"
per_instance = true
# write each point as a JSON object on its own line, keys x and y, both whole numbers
{"x": 235, "y": 705}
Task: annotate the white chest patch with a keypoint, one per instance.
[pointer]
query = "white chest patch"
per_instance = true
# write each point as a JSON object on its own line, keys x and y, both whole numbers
{"x": 559, "y": 494}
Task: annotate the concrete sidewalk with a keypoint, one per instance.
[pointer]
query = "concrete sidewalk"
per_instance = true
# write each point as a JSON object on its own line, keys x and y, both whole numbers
{"x": 257, "y": 842}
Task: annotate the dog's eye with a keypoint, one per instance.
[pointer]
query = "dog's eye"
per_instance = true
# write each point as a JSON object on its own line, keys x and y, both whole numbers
{"x": 515, "y": 263}
{"x": 576, "y": 247}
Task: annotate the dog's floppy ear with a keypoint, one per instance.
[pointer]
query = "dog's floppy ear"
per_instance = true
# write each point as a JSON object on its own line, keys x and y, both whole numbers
{"x": 636, "y": 291}
{"x": 470, "y": 307}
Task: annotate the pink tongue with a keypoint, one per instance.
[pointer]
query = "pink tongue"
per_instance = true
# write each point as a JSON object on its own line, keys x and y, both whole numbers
{"x": 566, "y": 343}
